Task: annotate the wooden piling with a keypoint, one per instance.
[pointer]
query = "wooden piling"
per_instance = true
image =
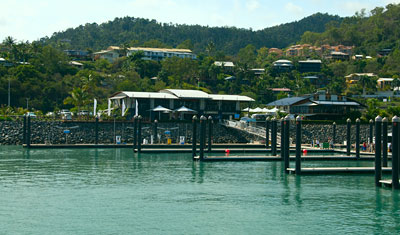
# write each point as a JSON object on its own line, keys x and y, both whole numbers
{"x": 378, "y": 150}
{"x": 298, "y": 145}
{"x": 282, "y": 139}
{"x": 334, "y": 133}
{"x": 155, "y": 131}
{"x": 24, "y": 131}
{"x": 287, "y": 142}
{"x": 357, "y": 138}
{"x": 273, "y": 136}
{"x": 203, "y": 120}
{"x": 210, "y": 133}
{"x": 384, "y": 142}
{"x": 139, "y": 133}
{"x": 267, "y": 128}
{"x": 28, "y": 132}
{"x": 194, "y": 135}
{"x": 348, "y": 141}
{"x": 135, "y": 132}
{"x": 371, "y": 131}
{"x": 395, "y": 152}
{"x": 96, "y": 130}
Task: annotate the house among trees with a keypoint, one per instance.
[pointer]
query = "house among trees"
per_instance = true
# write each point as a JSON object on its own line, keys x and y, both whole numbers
{"x": 320, "y": 105}
{"x": 161, "y": 53}
{"x": 157, "y": 54}
{"x": 325, "y": 50}
{"x": 317, "y": 81}
{"x": 77, "y": 54}
{"x": 306, "y": 66}
{"x": 110, "y": 55}
{"x": 258, "y": 72}
{"x": 283, "y": 65}
{"x": 276, "y": 51}
{"x": 354, "y": 78}
{"x": 384, "y": 83}
{"x": 338, "y": 55}
{"x": 201, "y": 103}
{"x": 5, "y": 62}
{"x": 228, "y": 66}
{"x": 384, "y": 52}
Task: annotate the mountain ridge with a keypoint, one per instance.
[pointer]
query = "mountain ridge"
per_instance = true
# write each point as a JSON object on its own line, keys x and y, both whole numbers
{"x": 136, "y": 31}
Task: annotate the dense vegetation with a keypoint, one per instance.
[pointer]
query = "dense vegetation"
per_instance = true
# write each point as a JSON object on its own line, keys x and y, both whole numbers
{"x": 42, "y": 75}
{"x": 131, "y": 31}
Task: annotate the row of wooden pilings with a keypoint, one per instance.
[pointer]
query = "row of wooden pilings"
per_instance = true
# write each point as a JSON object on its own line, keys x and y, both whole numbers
{"x": 27, "y": 130}
{"x": 381, "y": 143}
{"x": 203, "y": 123}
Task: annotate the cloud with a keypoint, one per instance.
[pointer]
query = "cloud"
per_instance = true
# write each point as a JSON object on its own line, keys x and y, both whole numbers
{"x": 354, "y": 6}
{"x": 149, "y": 4}
{"x": 294, "y": 9}
{"x": 391, "y": 1}
{"x": 252, "y": 5}
{"x": 3, "y": 22}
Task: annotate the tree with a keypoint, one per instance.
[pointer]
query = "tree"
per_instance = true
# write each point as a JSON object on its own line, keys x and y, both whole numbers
{"x": 187, "y": 44}
{"x": 247, "y": 55}
{"x": 367, "y": 83}
{"x": 78, "y": 98}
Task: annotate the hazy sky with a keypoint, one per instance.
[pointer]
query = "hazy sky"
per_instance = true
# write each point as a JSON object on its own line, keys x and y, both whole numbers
{"x": 33, "y": 19}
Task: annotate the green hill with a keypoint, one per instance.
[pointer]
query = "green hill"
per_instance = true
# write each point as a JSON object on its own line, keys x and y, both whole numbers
{"x": 132, "y": 31}
{"x": 369, "y": 33}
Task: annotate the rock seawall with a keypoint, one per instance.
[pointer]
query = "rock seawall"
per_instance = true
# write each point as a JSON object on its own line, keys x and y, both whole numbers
{"x": 52, "y": 132}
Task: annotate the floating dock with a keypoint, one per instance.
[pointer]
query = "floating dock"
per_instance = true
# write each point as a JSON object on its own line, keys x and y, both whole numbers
{"x": 387, "y": 183}
{"x": 339, "y": 170}
{"x": 278, "y": 158}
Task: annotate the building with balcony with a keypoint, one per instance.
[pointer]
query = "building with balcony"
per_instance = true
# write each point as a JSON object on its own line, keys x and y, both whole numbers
{"x": 161, "y": 53}
{"x": 202, "y": 103}
{"x": 320, "y": 105}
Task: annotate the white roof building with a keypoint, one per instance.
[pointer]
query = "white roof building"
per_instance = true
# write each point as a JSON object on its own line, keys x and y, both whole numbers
{"x": 203, "y": 103}
{"x": 224, "y": 64}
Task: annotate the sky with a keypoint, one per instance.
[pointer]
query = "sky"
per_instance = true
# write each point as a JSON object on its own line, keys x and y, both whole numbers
{"x": 28, "y": 20}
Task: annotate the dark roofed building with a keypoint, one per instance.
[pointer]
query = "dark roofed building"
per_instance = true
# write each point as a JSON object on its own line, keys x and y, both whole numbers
{"x": 320, "y": 105}
{"x": 306, "y": 66}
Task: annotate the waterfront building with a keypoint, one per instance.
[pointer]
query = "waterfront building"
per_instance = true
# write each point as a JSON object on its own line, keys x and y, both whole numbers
{"x": 320, "y": 105}
{"x": 216, "y": 105}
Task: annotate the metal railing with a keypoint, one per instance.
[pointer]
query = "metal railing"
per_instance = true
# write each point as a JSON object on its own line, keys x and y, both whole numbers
{"x": 247, "y": 127}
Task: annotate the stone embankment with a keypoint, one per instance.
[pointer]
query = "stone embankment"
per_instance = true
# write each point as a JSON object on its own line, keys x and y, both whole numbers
{"x": 52, "y": 132}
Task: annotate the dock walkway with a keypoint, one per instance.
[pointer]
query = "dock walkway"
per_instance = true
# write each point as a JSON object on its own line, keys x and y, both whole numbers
{"x": 339, "y": 170}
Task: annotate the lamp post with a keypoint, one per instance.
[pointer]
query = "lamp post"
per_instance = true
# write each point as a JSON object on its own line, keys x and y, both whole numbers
{"x": 27, "y": 104}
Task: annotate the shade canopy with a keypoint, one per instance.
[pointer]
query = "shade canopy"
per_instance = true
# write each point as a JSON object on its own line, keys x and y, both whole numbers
{"x": 184, "y": 109}
{"x": 161, "y": 109}
{"x": 257, "y": 110}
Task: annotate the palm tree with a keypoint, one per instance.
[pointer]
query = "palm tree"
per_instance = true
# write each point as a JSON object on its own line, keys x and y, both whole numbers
{"x": 367, "y": 82}
{"x": 78, "y": 98}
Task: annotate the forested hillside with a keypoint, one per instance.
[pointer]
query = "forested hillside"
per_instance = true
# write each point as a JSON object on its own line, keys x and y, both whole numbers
{"x": 42, "y": 74}
{"x": 132, "y": 31}
{"x": 369, "y": 33}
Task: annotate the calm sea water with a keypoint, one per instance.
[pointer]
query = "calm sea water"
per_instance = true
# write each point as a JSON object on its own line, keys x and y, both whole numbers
{"x": 113, "y": 191}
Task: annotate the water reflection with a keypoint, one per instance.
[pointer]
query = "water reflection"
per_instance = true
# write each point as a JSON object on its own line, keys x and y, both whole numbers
{"x": 297, "y": 197}
{"x": 27, "y": 154}
{"x": 198, "y": 172}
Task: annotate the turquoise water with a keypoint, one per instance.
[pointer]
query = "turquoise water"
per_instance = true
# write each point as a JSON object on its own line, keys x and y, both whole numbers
{"x": 113, "y": 191}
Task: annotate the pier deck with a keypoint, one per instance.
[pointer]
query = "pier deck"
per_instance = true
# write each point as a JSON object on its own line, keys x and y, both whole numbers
{"x": 339, "y": 170}
{"x": 387, "y": 183}
{"x": 278, "y": 158}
